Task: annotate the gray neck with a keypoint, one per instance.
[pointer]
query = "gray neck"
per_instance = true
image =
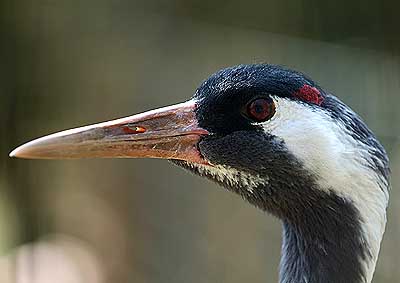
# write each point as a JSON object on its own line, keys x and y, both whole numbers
{"x": 325, "y": 246}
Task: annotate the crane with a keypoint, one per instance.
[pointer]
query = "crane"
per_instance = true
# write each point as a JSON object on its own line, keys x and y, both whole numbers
{"x": 280, "y": 141}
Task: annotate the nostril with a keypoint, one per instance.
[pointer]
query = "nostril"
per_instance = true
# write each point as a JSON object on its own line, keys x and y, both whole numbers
{"x": 133, "y": 130}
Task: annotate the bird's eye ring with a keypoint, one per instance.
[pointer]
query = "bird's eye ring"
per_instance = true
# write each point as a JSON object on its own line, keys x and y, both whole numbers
{"x": 260, "y": 109}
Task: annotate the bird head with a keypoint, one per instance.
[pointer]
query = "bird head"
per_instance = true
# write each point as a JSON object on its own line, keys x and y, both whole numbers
{"x": 263, "y": 131}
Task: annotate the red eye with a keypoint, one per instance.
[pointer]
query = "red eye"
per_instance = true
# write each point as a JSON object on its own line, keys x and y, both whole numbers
{"x": 261, "y": 109}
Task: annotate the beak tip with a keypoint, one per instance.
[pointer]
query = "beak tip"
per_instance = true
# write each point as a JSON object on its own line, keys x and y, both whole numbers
{"x": 13, "y": 153}
{"x": 19, "y": 152}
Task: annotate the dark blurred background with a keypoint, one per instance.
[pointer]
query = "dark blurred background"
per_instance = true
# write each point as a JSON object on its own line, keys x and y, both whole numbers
{"x": 69, "y": 63}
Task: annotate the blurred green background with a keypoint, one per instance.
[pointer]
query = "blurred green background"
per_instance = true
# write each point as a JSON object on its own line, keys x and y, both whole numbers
{"x": 70, "y": 63}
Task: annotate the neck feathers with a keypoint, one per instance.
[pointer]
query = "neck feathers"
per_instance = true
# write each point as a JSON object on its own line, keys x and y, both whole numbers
{"x": 325, "y": 245}
{"x": 349, "y": 166}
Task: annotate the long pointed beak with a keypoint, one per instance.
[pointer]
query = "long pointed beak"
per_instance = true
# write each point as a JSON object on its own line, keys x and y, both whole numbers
{"x": 171, "y": 133}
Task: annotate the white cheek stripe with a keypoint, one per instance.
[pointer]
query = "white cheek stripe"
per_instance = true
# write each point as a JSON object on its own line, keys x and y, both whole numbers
{"x": 339, "y": 162}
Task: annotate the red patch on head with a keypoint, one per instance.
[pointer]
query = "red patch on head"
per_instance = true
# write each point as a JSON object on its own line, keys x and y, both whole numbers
{"x": 310, "y": 94}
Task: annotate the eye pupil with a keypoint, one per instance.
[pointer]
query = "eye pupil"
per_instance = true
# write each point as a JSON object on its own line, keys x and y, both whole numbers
{"x": 261, "y": 109}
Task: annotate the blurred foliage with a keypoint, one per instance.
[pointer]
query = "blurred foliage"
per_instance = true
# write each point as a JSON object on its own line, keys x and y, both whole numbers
{"x": 68, "y": 63}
